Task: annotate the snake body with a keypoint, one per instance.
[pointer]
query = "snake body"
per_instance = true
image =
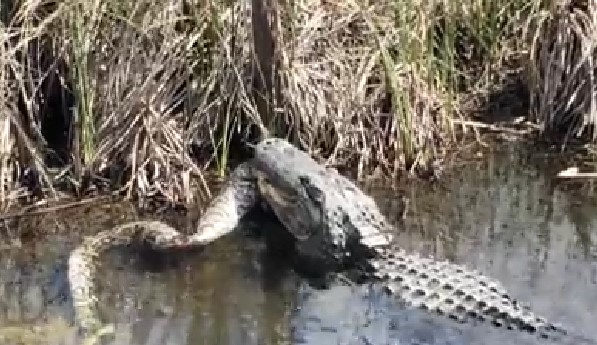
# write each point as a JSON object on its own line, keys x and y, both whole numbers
{"x": 236, "y": 198}
{"x": 83, "y": 262}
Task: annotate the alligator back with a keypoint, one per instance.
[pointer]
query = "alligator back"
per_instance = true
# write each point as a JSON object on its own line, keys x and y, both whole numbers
{"x": 460, "y": 293}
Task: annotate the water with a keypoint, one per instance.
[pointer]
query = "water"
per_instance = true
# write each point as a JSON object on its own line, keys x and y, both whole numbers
{"x": 504, "y": 214}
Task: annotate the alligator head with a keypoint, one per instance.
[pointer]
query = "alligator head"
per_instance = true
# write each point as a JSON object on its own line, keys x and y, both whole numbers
{"x": 332, "y": 222}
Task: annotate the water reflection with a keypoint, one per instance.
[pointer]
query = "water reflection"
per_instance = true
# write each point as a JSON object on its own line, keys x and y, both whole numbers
{"x": 504, "y": 215}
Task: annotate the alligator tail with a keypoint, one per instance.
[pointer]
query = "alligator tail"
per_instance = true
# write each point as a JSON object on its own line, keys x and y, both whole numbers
{"x": 459, "y": 293}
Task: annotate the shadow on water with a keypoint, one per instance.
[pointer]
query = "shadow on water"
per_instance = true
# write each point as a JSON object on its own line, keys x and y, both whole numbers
{"x": 505, "y": 215}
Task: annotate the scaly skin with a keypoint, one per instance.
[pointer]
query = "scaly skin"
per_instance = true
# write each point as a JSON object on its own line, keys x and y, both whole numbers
{"x": 455, "y": 291}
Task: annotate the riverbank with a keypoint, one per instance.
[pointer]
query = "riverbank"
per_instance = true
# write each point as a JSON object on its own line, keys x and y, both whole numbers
{"x": 147, "y": 99}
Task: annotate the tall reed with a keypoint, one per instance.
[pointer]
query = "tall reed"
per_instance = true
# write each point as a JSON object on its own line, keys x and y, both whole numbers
{"x": 561, "y": 68}
{"x": 83, "y": 25}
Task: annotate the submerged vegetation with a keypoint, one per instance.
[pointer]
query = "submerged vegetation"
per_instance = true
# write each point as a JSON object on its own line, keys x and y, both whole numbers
{"x": 146, "y": 97}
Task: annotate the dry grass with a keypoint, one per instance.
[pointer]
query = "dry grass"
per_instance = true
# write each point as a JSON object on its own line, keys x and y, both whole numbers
{"x": 342, "y": 91}
{"x": 376, "y": 85}
{"x": 562, "y": 67}
{"x": 148, "y": 96}
{"x": 140, "y": 86}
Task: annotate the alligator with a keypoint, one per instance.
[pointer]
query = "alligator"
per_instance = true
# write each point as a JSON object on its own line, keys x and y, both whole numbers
{"x": 333, "y": 227}
{"x": 336, "y": 226}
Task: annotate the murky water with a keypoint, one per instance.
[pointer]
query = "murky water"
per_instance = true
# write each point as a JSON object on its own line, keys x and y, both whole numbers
{"x": 504, "y": 214}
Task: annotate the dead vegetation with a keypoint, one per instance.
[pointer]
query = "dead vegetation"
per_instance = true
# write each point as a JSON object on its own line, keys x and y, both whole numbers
{"x": 147, "y": 97}
{"x": 562, "y": 65}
